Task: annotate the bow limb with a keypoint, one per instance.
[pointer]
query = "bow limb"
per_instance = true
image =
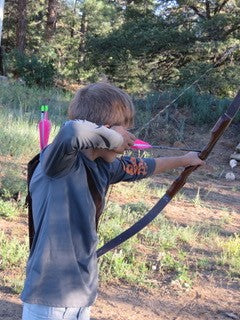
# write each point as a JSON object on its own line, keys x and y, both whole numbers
{"x": 221, "y": 125}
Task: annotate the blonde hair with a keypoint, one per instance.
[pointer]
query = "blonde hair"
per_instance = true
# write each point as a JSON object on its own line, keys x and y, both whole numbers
{"x": 103, "y": 104}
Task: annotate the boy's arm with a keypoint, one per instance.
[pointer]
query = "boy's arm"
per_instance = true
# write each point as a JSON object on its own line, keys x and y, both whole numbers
{"x": 131, "y": 169}
{"x": 169, "y": 163}
{"x": 74, "y": 136}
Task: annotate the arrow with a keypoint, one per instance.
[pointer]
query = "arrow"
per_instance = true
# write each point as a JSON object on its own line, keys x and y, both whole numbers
{"x": 142, "y": 145}
{"x": 44, "y": 127}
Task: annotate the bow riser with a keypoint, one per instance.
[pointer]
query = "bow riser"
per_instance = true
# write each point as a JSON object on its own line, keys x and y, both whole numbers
{"x": 217, "y": 131}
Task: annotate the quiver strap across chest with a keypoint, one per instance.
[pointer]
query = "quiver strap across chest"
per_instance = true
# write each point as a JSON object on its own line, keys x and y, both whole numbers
{"x": 30, "y": 170}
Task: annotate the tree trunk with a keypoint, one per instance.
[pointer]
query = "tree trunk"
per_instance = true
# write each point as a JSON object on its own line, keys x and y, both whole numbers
{"x": 22, "y": 25}
{"x": 1, "y": 18}
{"x": 83, "y": 31}
{"x": 1, "y": 61}
{"x": 1, "y": 49}
{"x": 208, "y": 14}
{"x": 73, "y": 21}
{"x": 51, "y": 19}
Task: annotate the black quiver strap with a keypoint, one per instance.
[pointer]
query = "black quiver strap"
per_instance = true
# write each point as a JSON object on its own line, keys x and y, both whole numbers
{"x": 30, "y": 170}
{"x": 95, "y": 195}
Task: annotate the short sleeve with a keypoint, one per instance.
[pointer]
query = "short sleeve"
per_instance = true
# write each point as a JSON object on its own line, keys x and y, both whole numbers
{"x": 131, "y": 169}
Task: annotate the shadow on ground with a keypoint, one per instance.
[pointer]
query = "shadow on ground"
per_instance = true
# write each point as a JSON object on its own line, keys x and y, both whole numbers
{"x": 10, "y": 310}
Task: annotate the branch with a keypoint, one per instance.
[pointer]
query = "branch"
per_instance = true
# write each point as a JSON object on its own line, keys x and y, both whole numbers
{"x": 208, "y": 14}
{"x": 219, "y": 7}
{"x": 232, "y": 29}
{"x": 195, "y": 9}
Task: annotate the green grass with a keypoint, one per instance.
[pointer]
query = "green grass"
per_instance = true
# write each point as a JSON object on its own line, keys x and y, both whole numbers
{"x": 24, "y": 102}
{"x": 8, "y": 209}
{"x": 230, "y": 255}
{"x": 178, "y": 265}
{"x": 13, "y": 252}
{"x": 144, "y": 189}
{"x": 13, "y": 258}
{"x": 14, "y": 282}
{"x": 168, "y": 248}
{"x": 203, "y": 263}
{"x": 18, "y": 136}
{"x": 124, "y": 264}
{"x": 197, "y": 201}
{"x": 20, "y": 113}
{"x": 13, "y": 183}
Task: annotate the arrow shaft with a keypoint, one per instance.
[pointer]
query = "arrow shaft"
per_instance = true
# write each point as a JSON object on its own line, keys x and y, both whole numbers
{"x": 175, "y": 148}
{"x": 141, "y": 145}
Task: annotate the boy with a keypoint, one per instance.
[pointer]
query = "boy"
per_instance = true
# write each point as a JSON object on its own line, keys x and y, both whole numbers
{"x": 68, "y": 189}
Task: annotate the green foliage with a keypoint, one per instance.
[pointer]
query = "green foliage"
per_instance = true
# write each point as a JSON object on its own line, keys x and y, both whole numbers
{"x": 32, "y": 69}
{"x": 221, "y": 81}
{"x": 203, "y": 263}
{"x": 13, "y": 252}
{"x": 7, "y": 209}
{"x": 134, "y": 211}
{"x": 12, "y": 184}
{"x": 196, "y": 107}
{"x": 122, "y": 264}
{"x": 171, "y": 246}
{"x": 138, "y": 188}
{"x": 15, "y": 283}
{"x": 168, "y": 235}
{"x": 142, "y": 46}
{"x": 18, "y": 137}
{"x": 205, "y": 108}
{"x": 178, "y": 265}
{"x": 24, "y": 103}
{"x": 19, "y": 114}
{"x": 230, "y": 254}
{"x": 125, "y": 263}
{"x": 116, "y": 265}
{"x": 13, "y": 258}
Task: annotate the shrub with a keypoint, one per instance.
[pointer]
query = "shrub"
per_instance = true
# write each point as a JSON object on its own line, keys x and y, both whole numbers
{"x": 33, "y": 70}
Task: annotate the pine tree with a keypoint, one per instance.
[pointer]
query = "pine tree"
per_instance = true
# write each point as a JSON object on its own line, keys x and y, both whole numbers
{"x": 51, "y": 19}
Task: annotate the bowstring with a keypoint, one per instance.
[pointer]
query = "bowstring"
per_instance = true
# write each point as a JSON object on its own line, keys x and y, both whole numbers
{"x": 220, "y": 61}
{"x": 217, "y": 64}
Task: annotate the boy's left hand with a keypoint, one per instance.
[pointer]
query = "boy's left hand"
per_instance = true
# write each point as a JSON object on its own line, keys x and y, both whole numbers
{"x": 192, "y": 159}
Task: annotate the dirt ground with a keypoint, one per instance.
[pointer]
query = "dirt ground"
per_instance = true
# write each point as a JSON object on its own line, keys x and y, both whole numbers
{"x": 208, "y": 300}
{"x": 212, "y": 296}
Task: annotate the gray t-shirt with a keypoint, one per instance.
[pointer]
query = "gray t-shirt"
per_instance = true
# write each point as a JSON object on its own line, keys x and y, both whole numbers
{"x": 62, "y": 266}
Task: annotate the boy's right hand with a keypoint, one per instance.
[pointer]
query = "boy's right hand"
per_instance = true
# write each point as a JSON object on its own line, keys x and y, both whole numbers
{"x": 128, "y": 139}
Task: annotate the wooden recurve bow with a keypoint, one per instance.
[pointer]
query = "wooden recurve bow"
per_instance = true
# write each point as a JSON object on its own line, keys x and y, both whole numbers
{"x": 221, "y": 125}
